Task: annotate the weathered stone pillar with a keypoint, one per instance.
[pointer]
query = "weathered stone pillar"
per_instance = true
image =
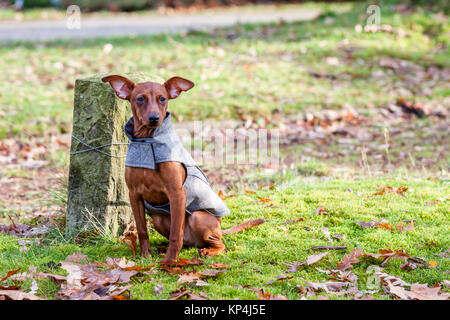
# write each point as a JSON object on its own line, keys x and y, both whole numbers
{"x": 98, "y": 195}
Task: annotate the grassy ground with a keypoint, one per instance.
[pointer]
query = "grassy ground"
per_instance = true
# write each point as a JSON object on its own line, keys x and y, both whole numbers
{"x": 256, "y": 256}
{"x": 246, "y": 71}
{"x": 242, "y": 72}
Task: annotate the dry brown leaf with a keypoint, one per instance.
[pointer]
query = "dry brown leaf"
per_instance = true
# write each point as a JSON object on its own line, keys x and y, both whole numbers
{"x": 129, "y": 237}
{"x": 397, "y": 291}
{"x": 385, "y": 225}
{"x": 278, "y": 278}
{"x": 220, "y": 194}
{"x": 388, "y": 189}
{"x": 320, "y": 210}
{"x": 262, "y": 295}
{"x": 432, "y": 264}
{"x": 293, "y": 267}
{"x": 189, "y": 295}
{"x": 316, "y": 257}
{"x": 218, "y": 265}
{"x": 329, "y": 287}
{"x": 264, "y": 199}
{"x": 13, "y": 287}
{"x": 348, "y": 260}
{"x": 423, "y": 292}
{"x": 211, "y": 273}
{"x": 77, "y": 257}
{"x": 188, "y": 278}
{"x": 401, "y": 227}
{"x": 370, "y": 224}
{"x": 18, "y": 295}
{"x": 396, "y": 286}
{"x": 185, "y": 262}
{"x": 388, "y": 254}
{"x": 9, "y": 274}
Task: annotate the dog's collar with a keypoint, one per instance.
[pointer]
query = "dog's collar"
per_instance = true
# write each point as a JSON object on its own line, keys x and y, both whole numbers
{"x": 165, "y": 127}
{"x": 163, "y": 146}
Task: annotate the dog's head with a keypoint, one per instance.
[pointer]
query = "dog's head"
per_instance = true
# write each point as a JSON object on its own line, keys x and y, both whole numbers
{"x": 149, "y": 100}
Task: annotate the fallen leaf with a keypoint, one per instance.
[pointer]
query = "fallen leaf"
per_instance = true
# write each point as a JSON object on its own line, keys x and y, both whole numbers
{"x": 18, "y": 295}
{"x": 315, "y": 257}
{"x": 77, "y": 257}
{"x": 220, "y": 194}
{"x": 423, "y": 292}
{"x": 293, "y": 267}
{"x": 350, "y": 259}
{"x": 432, "y": 264}
{"x": 338, "y": 236}
{"x": 388, "y": 189}
{"x": 218, "y": 265}
{"x": 328, "y": 287}
{"x": 211, "y": 273}
{"x": 401, "y": 228}
{"x": 278, "y": 278}
{"x": 262, "y": 295}
{"x": 9, "y": 274}
{"x": 188, "y": 278}
{"x": 385, "y": 226}
{"x": 264, "y": 199}
{"x": 189, "y": 295}
{"x": 370, "y": 224}
{"x": 320, "y": 210}
{"x": 388, "y": 254}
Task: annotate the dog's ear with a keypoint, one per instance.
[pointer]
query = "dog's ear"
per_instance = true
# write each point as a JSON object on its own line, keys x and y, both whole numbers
{"x": 121, "y": 85}
{"x": 175, "y": 85}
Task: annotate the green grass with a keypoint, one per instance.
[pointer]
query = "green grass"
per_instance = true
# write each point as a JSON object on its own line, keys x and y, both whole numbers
{"x": 256, "y": 255}
{"x": 250, "y": 71}
{"x": 244, "y": 71}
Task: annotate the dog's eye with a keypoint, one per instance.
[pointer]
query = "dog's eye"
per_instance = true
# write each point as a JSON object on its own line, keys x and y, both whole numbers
{"x": 162, "y": 99}
{"x": 140, "y": 99}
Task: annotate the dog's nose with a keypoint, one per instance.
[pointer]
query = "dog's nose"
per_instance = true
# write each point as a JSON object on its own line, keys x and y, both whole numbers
{"x": 153, "y": 118}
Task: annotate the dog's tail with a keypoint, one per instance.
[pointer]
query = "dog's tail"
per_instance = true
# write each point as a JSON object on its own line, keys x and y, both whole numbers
{"x": 243, "y": 226}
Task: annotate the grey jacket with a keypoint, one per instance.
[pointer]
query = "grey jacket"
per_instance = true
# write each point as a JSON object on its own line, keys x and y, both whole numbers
{"x": 165, "y": 146}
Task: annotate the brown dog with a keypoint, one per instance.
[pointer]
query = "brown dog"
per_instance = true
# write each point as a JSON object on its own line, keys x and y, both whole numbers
{"x": 149, "y": 102}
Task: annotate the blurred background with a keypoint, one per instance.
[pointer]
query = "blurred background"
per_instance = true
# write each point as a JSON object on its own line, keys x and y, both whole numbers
{"x": 354, "y": 87}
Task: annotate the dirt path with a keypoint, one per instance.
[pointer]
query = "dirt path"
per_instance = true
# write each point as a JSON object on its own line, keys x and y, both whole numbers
{"x": 145, "y": 24}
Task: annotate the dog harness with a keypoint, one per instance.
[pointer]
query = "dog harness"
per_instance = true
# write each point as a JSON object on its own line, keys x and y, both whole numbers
{"x": 165, "y": 146}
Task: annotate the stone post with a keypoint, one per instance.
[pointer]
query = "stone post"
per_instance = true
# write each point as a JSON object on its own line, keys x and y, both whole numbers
{"x": 98, "y": 195}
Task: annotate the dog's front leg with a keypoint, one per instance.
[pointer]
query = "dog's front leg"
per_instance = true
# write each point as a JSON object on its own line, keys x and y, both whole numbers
{"x": 137, "y": 206}
{"x": 177, "y": 201}
{"x": 173, "y": 175}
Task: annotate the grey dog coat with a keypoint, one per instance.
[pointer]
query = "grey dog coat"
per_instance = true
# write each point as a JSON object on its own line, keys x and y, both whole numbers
{"x": 165, "y": 146}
